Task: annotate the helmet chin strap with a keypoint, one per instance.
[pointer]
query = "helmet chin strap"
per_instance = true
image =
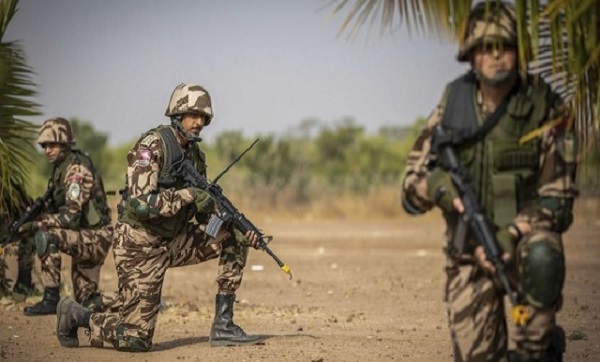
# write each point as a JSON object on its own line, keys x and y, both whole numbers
{"x": 176, "y": 122}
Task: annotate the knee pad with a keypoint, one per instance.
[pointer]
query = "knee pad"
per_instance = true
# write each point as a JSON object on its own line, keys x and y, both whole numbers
{"x": 45, "y": 243}
{"x": 542, "y": 274}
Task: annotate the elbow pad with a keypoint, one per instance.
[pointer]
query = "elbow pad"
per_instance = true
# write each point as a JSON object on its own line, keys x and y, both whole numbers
{"x": 561, "y": 210}
{"x": 141, "y": 209}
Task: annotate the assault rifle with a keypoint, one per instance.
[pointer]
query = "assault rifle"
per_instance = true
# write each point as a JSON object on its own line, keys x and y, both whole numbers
{"x": 474, "y": 215}
{"x": 227, "y": 212}
{"x": 32, "y": 212}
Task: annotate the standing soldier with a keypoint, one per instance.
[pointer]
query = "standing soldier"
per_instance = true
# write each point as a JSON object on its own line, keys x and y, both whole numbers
{"x": 76, "y": 222}
{"x": 510, "y": 134}
{"x": 160, "y": 227}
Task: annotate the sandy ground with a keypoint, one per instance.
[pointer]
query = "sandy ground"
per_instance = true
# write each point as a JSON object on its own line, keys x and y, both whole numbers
{"x": 361, "y": 291}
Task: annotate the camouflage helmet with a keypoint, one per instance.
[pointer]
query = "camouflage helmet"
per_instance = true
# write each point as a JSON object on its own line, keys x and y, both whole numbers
{"x": 190, "y": 98}
{"x": 56, "y": 130}
{"x": 489, "y": 23}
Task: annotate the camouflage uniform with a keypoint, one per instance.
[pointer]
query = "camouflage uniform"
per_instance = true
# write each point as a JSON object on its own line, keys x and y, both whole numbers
{"x": 76, "y": 222}
{"x": 16, "y": 265}
{"x": 16, "y": 258}
{"x": 515, "y": 181}
{"x": 160, "y": 226}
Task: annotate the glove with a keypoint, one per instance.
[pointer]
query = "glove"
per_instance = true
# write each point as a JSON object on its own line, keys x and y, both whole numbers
{"x": 204, "y": 202}
{"x": 29, "y": 228}
{"x": 441, "y": 190}
{"x": 240, "y": 238}
{"x": 562, "y": 216}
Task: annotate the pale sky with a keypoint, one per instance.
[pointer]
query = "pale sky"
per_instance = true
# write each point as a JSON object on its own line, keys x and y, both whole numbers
{"x": 268, "y": 64}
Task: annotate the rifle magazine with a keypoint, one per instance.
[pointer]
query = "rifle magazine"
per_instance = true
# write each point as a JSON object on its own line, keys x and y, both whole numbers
{"x": 214, "y": 226}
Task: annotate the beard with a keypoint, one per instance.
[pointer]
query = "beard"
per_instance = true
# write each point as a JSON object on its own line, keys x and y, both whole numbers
{"x": 501, "y": 77}
{"x": 190, "y": 135}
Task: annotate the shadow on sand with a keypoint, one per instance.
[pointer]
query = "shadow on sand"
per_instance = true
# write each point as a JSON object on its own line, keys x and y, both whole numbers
{"x": 165, "y": 346}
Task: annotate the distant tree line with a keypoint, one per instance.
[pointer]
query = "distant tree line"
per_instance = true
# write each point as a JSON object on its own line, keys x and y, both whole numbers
{"x": 311, "y": 163}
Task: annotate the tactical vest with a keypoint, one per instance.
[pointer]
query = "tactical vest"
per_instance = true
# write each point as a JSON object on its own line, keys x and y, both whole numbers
{"x": 168, "y": 178}
{"x": 95, "y": 212}
{"x": 503, "y": 171}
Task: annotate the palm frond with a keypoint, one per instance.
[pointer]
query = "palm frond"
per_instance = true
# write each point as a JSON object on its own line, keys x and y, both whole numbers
{"x": 570, "y": 58}
{"x": 16, "y": 134}
{"x": 440, "y": 19}
{"x": 8, "y": 8}
{"x": 559, "y": 40}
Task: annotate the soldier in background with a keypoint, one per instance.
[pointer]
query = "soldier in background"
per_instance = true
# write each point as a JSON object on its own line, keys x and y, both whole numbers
{"x": 16, "y": 257}
{"x": 522, "y": 169}
{"x": 160, "y": 226}
{"x": 77, "y": 223}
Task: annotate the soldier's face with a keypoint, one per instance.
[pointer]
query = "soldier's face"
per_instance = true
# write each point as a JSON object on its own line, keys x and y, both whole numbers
{"x": 495, "y": 64}
{"x": 52, "y": 151}
{"x": 193, "y": 123}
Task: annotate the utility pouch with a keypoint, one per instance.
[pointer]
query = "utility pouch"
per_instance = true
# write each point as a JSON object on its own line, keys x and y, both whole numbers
{"x": 91, "y": 214}
{"x": 459, "y": 237}
{"x": 505, "y": 201}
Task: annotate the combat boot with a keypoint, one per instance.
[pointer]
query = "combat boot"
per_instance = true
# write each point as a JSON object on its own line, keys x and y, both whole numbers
{"x": 223, "y": 331}
{"x": 47, "y": 305}
{"x": 558, "y": 345}
{"x": 69, "y": 316}
{"x": 25, "y": 284}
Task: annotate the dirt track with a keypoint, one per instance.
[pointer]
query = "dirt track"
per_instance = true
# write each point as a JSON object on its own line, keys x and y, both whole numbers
{"x": 362, "y": 291}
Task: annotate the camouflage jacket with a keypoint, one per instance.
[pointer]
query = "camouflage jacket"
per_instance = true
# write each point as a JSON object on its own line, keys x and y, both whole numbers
{"x": 169, "y": 202}
{"x": 79, "y": 198}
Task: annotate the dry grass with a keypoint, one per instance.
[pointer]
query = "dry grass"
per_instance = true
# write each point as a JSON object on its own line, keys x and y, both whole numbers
{"x": 381, "y": 203}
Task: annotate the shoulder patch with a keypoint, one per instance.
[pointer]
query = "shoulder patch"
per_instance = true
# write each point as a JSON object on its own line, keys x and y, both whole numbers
{"x": 74, "y": 191}
{"x": 143, "y": 158}
{"x": 75, "y": 178}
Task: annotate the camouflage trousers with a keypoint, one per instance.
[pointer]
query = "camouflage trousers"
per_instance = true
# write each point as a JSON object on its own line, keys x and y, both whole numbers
{"x": 477, "y": 317}
{"x": 88, "y": 249}
{"x": 17, "y": 257}
{"x": 142, "y": 260}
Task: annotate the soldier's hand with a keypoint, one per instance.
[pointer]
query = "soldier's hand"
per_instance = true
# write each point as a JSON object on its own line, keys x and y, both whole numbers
{"x": 520, "y": 228}
{"x": 458, "y": 205}
{"x": 30, "y": 227}
{"x": 485, "y": 264}
{"x": 441, "y": 191}
{"x": 204, "y": 203}
{"x": 253, "y": 238}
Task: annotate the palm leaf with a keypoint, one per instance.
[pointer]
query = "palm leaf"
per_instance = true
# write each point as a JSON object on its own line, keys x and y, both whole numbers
{"x": 561, "y": 44}
{"x": 16, "y": 134}
{"x": 8, "y": 8}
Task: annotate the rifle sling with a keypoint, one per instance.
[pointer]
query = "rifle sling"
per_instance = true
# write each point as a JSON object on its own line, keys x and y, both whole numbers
{"x": 461, "y": 93}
